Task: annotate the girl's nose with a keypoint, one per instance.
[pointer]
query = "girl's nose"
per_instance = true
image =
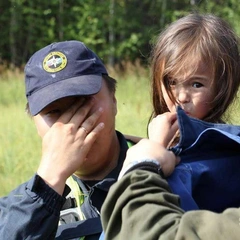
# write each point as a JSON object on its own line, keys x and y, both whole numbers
{"x": 183, "y": 95}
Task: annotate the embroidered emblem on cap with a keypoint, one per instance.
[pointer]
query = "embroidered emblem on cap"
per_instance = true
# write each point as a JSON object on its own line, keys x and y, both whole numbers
{"x": 54, "y": 62}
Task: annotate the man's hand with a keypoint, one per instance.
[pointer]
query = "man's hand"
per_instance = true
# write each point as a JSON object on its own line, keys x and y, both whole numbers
{"x": 148, "y": 149}
{"x": 67, "y": 143}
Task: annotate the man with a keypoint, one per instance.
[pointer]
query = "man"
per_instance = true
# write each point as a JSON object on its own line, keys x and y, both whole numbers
{"x": 72, "y": 101}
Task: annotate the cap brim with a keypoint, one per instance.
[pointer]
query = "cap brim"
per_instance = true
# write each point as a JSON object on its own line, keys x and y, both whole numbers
{"x": 77, "y": 86}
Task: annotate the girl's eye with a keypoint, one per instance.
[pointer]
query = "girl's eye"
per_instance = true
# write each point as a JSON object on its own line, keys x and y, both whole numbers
{"x": 197, "y": 84}
{"x": 171, "y": 83}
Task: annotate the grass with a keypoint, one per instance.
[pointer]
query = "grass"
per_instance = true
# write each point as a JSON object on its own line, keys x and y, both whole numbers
{"x": 134, "y": 105}
{"x": 20, "y": 147}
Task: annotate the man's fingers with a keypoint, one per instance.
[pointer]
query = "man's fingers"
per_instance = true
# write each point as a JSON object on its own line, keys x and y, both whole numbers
{"x": 178, "y": 159}
{"x": 69, "y": 113}
{"x": 169, "y": 163}
{"x": 90, "y": 122}
{"x": 84, "y": 130}
{"x": 80, "y": 119}
{"x": 90, "y": 138}
{"x": 89, "y": 127}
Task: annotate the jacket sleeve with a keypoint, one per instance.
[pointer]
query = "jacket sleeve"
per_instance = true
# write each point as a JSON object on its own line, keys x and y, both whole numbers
{"x": 141, "y": 206}
{"x": 31, "y": 211}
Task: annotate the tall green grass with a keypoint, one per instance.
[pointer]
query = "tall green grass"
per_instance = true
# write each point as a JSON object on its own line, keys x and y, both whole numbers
{"x": 19, "y": 143}
{"x": 20, "y": 146}
{"x": 133, "y": 97}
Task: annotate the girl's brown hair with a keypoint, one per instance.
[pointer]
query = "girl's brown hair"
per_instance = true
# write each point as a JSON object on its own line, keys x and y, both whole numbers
{"x": 192, "y": 39}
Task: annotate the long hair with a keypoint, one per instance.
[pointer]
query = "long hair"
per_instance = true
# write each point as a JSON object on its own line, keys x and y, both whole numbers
{"x": 191, "y": 39}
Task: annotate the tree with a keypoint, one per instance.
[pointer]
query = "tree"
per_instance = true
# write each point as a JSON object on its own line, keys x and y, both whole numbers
{"x": 117, "y": 30}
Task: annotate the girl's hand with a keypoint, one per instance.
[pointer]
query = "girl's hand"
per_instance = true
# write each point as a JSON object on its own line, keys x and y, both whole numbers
{"x": 163, "y": 128}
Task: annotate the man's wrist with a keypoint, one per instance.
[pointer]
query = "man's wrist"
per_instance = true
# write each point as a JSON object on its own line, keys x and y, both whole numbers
{"x": 37, "y": 189}
{"x": 151, "y": 165}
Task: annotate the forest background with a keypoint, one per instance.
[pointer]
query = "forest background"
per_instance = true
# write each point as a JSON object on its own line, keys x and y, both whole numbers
{"x": 118, "y": 30}
{"x": 121, "y": 32}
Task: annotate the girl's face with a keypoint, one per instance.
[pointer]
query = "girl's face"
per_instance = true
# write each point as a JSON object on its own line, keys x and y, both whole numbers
{"x": 194, "y": 93}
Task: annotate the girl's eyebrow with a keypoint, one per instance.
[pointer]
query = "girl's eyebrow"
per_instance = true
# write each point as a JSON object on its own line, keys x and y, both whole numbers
{"x": 200, "y": 77}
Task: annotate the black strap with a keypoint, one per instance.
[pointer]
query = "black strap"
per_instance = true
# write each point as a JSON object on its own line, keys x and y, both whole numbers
{"x": 79, "y": 229}
{"x": 69, "y": 203}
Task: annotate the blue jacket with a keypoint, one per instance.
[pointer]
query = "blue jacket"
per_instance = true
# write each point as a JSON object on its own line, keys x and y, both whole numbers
{"x": 208, "y": 176}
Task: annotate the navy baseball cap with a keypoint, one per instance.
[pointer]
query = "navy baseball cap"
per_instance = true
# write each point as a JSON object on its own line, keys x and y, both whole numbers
{"x": 60, "y": 70}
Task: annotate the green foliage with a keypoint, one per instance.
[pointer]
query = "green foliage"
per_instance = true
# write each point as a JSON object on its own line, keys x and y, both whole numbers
{"x": 20, "y": 147}
{"x": 134, "y": 104}
{"x": 118, "y": 30}
{"x": 228, "y": 10}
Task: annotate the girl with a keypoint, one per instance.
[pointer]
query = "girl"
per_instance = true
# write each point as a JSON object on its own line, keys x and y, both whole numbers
{"x": 195, "y": 69}
{"x": 194, "y": 64}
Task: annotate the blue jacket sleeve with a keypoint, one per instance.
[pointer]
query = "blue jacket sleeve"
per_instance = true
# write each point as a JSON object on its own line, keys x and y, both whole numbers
{"x": 31, "y": 211}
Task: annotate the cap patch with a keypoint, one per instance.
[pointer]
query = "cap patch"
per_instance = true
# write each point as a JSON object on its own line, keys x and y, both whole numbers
{"x": 54, "y": 62}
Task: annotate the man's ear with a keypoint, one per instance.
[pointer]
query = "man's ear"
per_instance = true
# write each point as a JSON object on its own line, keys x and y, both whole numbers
{"x": 38, "y": 128}
{"x": 115, "y": 104}
{"x": 38, "y": 132}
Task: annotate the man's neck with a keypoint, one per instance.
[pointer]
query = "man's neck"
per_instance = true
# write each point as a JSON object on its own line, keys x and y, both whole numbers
{"x": 112, "y": 154}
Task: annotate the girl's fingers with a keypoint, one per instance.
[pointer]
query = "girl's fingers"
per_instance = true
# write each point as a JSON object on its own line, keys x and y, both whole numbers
{"x": 163, "y": 128}
{"x": 175, "y": 126}
{"x": 171, "y": 118}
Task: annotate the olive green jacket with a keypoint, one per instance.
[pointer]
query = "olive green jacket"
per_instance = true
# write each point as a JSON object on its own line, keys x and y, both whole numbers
{"x": 140, "y": 206}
